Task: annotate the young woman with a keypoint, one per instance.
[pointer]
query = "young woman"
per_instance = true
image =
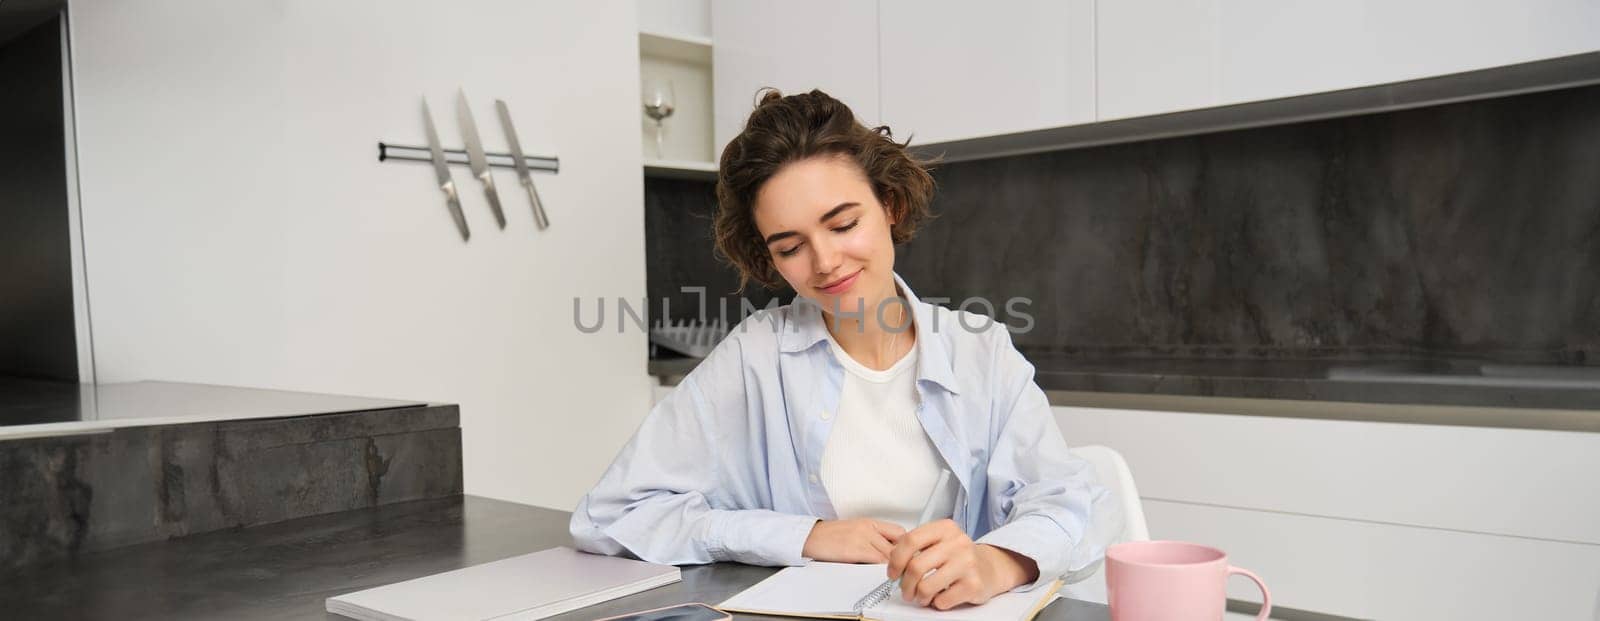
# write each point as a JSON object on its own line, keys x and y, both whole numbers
{"x": 818, "y": 430}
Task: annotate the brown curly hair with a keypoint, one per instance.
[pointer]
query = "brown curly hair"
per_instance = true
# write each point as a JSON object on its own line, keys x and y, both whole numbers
{"x": 788, "y": 129}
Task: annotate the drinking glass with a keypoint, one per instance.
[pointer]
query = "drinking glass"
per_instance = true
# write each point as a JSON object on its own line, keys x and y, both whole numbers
{"x": 658, "y": 104}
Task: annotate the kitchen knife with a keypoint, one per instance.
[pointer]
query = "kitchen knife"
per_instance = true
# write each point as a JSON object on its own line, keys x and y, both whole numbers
{"x": 441, "y": 172}
{"x": 523, "y": 175}
{"x": 476, "y": 157}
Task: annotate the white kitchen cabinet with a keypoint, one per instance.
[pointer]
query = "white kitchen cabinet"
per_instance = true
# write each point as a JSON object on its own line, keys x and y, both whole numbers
{"x": 1369, "y": 570}
{"x": 1514, "y": 482}
{"x": 1160, "y": 56}
{"x": 1268, "y": 48}
{"x": 1155, "y": 56}
{"x": 794, "y": 46}
{"x": 951, "y": 70}
{"x": 941, "y": 71}
{"x": 1369, "y": 519}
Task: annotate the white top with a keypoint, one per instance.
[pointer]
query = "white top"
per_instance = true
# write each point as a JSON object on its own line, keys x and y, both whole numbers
{"x": 878, "y": 461}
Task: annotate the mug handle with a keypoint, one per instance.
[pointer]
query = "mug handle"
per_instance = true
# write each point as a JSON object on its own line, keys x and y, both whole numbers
{"x": 1266, "y": 596}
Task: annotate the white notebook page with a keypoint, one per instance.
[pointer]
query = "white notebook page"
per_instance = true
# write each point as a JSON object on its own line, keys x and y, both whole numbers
{"x": 833, "y": 589}
{"x": 1011, "y": 605}
{"x": 816, "y": 588}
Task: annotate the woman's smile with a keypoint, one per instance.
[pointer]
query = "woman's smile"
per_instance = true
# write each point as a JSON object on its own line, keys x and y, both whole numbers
{"x": 842, "y": 285}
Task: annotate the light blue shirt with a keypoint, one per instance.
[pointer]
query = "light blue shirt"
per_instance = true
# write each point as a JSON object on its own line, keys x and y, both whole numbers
{"x": 727, "y": 467}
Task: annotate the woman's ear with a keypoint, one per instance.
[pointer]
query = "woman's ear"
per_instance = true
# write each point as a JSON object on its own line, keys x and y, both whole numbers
{"x": 889, "y": 211}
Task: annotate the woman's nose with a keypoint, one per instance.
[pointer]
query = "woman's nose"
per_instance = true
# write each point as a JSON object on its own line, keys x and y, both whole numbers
{"x": 825, "y": 257}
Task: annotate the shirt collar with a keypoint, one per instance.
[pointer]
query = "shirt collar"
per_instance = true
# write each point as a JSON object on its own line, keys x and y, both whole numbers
{"x": 933, "y": 359}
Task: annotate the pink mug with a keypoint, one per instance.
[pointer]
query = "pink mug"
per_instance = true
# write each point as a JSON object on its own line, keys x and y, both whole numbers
{"x": 1172, "y": 581}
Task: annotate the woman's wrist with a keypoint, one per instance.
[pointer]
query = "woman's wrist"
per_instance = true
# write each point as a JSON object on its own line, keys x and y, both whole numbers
{"x": 1007, "y": 569}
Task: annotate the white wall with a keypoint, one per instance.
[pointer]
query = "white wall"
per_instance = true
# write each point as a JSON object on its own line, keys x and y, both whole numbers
{"x": 239, "y": 230}
{"x": 683, "y": 18}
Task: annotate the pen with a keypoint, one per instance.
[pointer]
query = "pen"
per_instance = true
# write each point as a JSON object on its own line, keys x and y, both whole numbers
{"x": 877, "y": 595}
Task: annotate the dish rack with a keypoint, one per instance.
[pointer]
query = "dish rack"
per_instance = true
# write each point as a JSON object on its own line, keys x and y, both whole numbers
{"x": 689, "y": 337}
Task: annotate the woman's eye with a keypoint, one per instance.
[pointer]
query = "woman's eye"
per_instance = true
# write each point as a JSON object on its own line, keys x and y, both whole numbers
{"x": 847, "y": 227}
{"x": 790, "y": 252}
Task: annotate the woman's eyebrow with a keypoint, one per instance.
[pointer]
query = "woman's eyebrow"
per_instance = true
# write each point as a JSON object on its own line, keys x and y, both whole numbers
{"x": 831, "y": 213}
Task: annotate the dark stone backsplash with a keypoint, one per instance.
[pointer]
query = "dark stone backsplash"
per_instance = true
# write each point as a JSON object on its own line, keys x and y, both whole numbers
{"x": 1467, "y": 230}
{"x": 678, "y": 248}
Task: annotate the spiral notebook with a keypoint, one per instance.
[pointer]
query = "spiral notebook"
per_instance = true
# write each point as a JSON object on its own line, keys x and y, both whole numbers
{"x": 831, "y": 590}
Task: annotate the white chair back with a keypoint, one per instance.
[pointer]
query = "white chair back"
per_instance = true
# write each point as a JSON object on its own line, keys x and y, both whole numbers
{"x": 1114, "y": 474}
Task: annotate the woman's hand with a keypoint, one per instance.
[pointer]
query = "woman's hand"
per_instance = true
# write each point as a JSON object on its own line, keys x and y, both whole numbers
{"x": 963, "y": 572}
{"x": 861, "y": 540}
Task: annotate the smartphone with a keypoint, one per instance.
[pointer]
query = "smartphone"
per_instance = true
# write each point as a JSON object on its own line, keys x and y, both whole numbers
{"x": 681, "y": 612}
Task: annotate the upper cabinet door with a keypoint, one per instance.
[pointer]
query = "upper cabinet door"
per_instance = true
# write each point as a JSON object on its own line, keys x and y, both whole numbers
{"x": 1155, "y": 56}
{"x": 954, "y": 69}
{"x": 794, "y": 46}
{"x": 1270, "y": 48}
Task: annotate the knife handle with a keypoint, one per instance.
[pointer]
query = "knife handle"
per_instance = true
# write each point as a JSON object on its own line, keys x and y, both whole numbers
{"x": 494, "y": 199}
{"x": 538, "y": 205}
{"x": 454, "y": 203}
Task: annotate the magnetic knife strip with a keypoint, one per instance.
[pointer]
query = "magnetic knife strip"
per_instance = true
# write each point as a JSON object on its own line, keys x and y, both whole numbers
{"x": 388, "y": 151}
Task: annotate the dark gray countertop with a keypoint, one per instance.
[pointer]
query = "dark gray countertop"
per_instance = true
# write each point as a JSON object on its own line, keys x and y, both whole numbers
{"x": 287, "y": 570}
{"x": 34, "y": 407}
{"x": 1396, "y": 381}
{"x": 1427, "y": 391}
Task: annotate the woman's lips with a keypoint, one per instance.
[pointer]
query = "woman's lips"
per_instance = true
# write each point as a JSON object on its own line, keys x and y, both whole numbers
{"x": 843, "y": 285}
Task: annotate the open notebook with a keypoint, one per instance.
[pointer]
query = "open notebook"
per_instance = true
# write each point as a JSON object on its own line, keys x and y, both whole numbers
{"x": 830, "y": 590}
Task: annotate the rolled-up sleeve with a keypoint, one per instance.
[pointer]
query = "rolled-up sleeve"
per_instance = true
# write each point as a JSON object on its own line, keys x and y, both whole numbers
{"x": 1046, "y": 503}
{"x": 666, "y": 498}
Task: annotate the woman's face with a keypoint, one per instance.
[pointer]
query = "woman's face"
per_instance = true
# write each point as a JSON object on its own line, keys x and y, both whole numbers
{"x": 828, "y": 235}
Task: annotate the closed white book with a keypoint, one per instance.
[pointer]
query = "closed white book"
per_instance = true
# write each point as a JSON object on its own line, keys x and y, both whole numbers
{"x": 531, "y": 586}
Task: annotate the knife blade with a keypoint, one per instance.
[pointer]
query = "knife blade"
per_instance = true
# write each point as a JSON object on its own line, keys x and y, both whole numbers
{"x": 524, "y": 176}
{"x": 476, "y": 157}
{"x": 441, "y": 172}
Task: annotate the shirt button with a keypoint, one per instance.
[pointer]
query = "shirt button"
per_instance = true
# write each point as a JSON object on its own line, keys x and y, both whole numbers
{"x": 813, "y": 478}
{"x": 825, "y": 414}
